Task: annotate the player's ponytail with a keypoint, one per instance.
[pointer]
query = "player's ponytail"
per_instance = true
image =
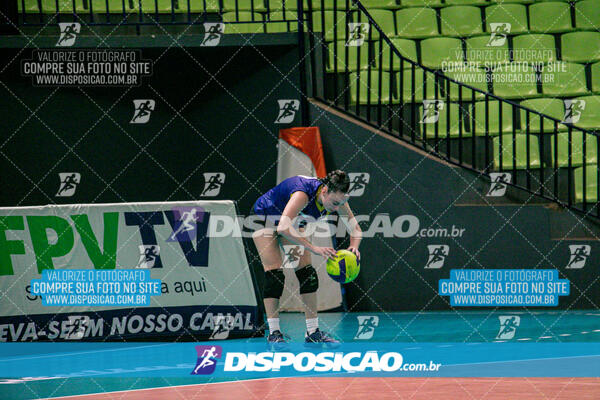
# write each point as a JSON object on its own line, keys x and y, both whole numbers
{"x": 337, "y": 181}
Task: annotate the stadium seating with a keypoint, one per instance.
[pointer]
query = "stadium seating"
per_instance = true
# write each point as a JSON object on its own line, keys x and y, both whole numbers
{"x": 406, "y": 47}
{"x": 564, "y": 80}
{"x": 577, "y": 149}
{"x": 353, "y": 62}
{"x": 474, "y": 77}
{"x": 591, "y": 183}
{"x": 444, "y": 129}
{"x": 254, "y": 27}
{"x": 590, "y": 116}
{"x": 424, "y": 88}
{"x": 515, "y": 152}
{"x": 461, "y": 21}
{"x": 581, "y": 47}
{"x": 490, "y": 122}
{"x": 595, "y": 70}
{"x": 514, "y": 14}
{"x": 416, "y": 23}
{"x": 551, "y": 17}
{"x": 587, "y": 15}
{"x": 274, "y": 27}
{"x": 437, "y": 52}
{"x": 421, "y": 3}
{"x": 368, "y": 87}
{"x": 478, "y": 51}
{"x": 551, "y": 107}
{"x": 534, "y": 48}
{"x": 514, "y": 81}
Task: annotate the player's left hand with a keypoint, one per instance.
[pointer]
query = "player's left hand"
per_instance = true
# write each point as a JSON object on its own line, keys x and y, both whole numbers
{"x": 355, "y": 251}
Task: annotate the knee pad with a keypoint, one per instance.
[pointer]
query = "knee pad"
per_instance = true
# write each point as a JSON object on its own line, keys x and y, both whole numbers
{"x": 308, "y": 279}
{"x": 274, "y": 280}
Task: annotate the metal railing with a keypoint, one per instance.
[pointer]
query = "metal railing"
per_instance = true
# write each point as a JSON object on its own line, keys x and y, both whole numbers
{"x": 366, "y": 75}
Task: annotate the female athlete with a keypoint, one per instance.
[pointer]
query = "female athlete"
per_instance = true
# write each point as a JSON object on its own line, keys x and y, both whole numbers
{"x": 299, "y": 196}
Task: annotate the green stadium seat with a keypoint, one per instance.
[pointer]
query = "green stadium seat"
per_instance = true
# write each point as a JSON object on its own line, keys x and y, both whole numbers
{"x": 406, "y": 47}
{"x": 439, "y": 52}
{"x": 99, "y": 7}
{"x": 275, "y": 27}
{"x": 340, "y": 60}
{"x": 385, "y": 20}
{"x": 416, "y": 23}
{"x": 31, "y": 6}
{"x": 512, "y": 1}
{"x": 587, "y": 15}
{"x": 335, "y": 22}
{"x": 564, "y": 79}
{"x": 590, "y": 116}
{"x": 581, "y": 47}
{"x": 241, "y": 5}
{"x": 518, "y": 160}
{"x": 421, "y": 3}
{"x": 577, "y": 153}
{"x": 493, "y": 118}
{"x": 591, "y": 183}
{"x": 428, "y": 129}
{"x": 360, "y": 80}
{"x": 479, "y": 52}
{"x": 159, "y": 6}
{"x": 474, "y": 77}
{"x": 406, "y": 89}
{"x": 467, "y": 2}
{"x": 49, "y": 6}
{"x": 461, "y": 21}
{"x": 379, "y": 4}
{"x": 554, "y": 108}
{"x": 534, "y": 48}
{"x": 514, "y": 14}
{"x": 255, "y": 27}
{"x": 550, "y": 17}
{"x": 328, "y": 4}
{"x": 595, "y": 69}
{"x": 515, "y": 82}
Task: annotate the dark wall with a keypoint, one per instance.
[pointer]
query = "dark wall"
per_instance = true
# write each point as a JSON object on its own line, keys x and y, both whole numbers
{"x": 404, "y": 182}
{"x": 215, "y": 112}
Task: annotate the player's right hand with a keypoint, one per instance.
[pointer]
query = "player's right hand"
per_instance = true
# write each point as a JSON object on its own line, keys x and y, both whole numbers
{"x": 326, "y": 252}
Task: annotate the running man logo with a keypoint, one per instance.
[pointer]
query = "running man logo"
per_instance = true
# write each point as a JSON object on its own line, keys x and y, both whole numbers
{"x": 68, "y": 33}
{"x": 68, "y": 183}
{"x": 498, "y": 185}
{"x": 212, "y": 34}
{"x": 366, "y": 326}
{"x": 500, "y": 31}
{"x": 186, "y": 223}
{"x": 579, "y": 255}
{"x": 437, "y": 255}
{"x": 287, "y": 111}
{"x": 142, "y": 110}
{"x": 292, "y": 255}
{"x": 508, "y": 326}
{"x": 223, "y": 324}
{"x": 431, "y": 111}
{"x": 76, "y": 327}
{"x": 358, "y": 183}
{"x": 148, "y": 255}
{"x": 212, "y": 183}
{"x": 358, "y": 32}
{"x": 207, "y": 359}
{"x": 573, "y": 111}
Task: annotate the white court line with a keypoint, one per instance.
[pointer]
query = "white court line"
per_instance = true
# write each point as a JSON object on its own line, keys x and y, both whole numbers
{"x": 80, "y": 352}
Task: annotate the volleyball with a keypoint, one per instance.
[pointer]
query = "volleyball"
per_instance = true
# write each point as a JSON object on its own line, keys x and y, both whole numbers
{"x": 344, "y": 268}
